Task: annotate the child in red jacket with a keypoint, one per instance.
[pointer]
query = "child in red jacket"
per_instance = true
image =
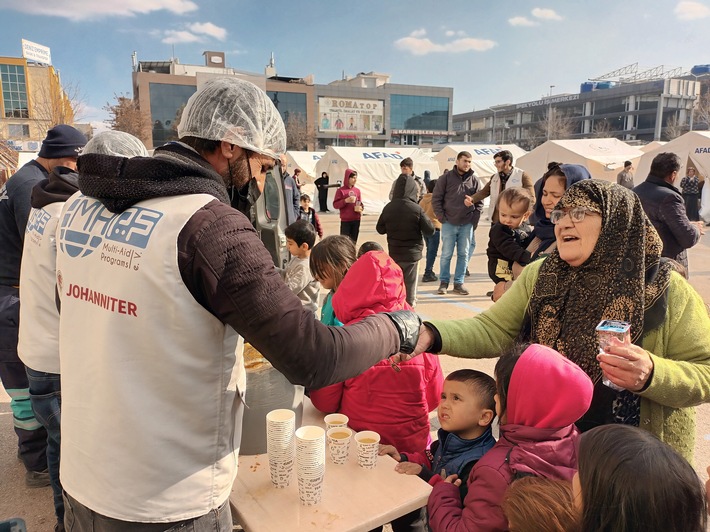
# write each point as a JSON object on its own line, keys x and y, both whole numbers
{"x": 540, "y": 396}
{"x": 395, "y": 404}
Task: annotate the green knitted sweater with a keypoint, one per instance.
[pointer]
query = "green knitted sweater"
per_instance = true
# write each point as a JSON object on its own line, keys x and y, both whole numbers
{"x": 680, "y": 350}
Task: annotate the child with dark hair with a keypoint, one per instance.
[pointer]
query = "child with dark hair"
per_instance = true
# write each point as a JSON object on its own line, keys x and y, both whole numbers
{"x": 330, "y": 261}
{"x": 466, "y": 412}
{"x": 306, "y": 212}
{"x": 534, "y": 504}
{"x": 508, "y": 238}
{"x": 630, "y": 481}
{"x": 370, "y": 245}
{"x": 300, "y": 237}
{"x": 540, "y": 395}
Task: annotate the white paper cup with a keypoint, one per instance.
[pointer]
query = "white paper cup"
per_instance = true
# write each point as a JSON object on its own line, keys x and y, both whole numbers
{"x": 339, "y": 444}
{"x": 310, "y": 490}
{"x": 335, "y": 420}
{"x": 310, "y": 464}
{"x": 368, "y": 446}
{"x": 279, "y": 445}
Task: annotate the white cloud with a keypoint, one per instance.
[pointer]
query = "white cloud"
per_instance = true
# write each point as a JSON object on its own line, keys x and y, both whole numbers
{"x": 521, "y": 21}
{"x": 207, "y": 28}
{"x": 546, "y": 14}
{"x": 175, "y": 37}
{"x": 421, "y": 32}
{"x": 691, "y": 11}
{"x": 423, "y": 46}
{"x": 92, "y": 9}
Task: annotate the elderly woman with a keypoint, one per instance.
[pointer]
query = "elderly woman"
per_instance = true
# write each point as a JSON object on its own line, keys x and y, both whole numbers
{"x": 607, "y": 265}
{"x": 548, "y": 192}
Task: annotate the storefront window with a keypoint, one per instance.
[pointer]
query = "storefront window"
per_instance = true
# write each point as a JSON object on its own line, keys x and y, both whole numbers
{"x": 419, "y": 112}
{"x": 166, "y": 104}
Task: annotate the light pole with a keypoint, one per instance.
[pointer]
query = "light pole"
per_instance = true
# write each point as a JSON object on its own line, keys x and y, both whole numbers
{"x": 494, "y": 124}
{"x": 549, "y": 112}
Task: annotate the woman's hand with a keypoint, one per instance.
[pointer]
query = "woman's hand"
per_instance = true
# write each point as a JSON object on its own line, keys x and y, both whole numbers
{"x": 626, "y": 365}
{"x": 390, "y": 450}
{"x": 499, "y": 290}
{"x": 424, "y": 342}
{"x": 408, "y": 468}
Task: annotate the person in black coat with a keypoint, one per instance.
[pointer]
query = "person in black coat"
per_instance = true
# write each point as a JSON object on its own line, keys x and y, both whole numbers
{"x": 404, "y": 222}
{"x": 322, "y": 185}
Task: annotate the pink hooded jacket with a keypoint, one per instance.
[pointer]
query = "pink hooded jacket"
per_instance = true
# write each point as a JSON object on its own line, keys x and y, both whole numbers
{"x": 347, "y": 210}
{"x": 547, "y": 394}
{"x": 395, "y": 405}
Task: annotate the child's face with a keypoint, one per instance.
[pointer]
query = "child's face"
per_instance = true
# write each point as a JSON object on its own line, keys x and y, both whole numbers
{"x": 296, "y": 250}
{"x": 460, "y": 410}
{"x": 326, "y": 280}
{"x": 512, "y": 215}
{"x": 305, "y": 205}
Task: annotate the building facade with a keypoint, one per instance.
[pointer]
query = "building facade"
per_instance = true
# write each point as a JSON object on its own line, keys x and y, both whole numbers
{"x": 640, "y": 111}
{"x": 365, "y": 110}
{"x": 31, "y": 102}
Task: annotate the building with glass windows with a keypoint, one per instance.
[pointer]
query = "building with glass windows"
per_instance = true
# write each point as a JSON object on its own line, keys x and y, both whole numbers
{"x": 365, "y": 110}
{"x": 635, "y": 111}
{"x": 31, "y": 102}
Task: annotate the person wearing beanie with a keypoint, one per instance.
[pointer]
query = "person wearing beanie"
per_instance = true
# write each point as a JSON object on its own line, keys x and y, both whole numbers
{"x": 540, "y": 396}
{"x": 60, "y": 148}
{"x": 152, "y": 401}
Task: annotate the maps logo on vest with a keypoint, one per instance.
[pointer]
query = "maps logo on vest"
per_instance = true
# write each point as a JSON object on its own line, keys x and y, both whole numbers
{"x": 87, "y": 223}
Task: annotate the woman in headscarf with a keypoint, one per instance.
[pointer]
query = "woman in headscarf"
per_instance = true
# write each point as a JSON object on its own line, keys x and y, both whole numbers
{"x": 607, "y": 265}
{"x": 548, "y": 191}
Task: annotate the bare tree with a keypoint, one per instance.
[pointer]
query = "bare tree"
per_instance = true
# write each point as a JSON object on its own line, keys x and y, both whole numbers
{"x": 127, "y": 116}
{"x": 53, "y": 105}
{"x": 9, "y": 160}
{"x": 674, "y": 128}
{"x": 602, "y": 129}
{"x": 555, "y": 125}
{"x": 298, "y": 135}
{"x": 701, "y": 114}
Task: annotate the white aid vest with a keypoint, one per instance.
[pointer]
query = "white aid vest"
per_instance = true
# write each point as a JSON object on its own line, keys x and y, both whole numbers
{"x": 151, "y": 381}
{"x": 515, "y": 180}
{"x": 38, "y": 344}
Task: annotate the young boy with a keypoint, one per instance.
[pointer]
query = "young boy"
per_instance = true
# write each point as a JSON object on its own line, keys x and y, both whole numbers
{"x": 466, "y": 412}
{"x": 300, "y": 238}
{"x": 507, "y": 238}
{"x": 305, "y": 212}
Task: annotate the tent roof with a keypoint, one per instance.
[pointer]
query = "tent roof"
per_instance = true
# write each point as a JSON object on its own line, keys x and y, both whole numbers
{"x": 306, "y": 161}
{"x": 692, "y": 148}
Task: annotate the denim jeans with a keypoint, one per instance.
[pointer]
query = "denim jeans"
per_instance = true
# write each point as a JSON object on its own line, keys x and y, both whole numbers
{"x": 432, "y": 249}
{"x": 472, "y": 245}
{"x": 46, "y": 399}
{"x": 458, "y": 236}
{"x": 79, "y": 518}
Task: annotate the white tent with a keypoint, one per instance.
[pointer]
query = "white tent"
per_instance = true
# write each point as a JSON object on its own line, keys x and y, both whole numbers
{"x": 651, "y": 145}
{"x": 377, "y": 168}
{"x": 693, "y": 148}
{"x": 481, "y": 156}
{"x": 604, "y": 158}
{"x": 306, "y": 161}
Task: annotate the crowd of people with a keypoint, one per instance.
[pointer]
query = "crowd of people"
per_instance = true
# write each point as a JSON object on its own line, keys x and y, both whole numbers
{"x": 172, "y": 279}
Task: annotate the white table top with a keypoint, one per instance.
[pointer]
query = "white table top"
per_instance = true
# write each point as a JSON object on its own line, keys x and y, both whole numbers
{"x": 354, "y": 499}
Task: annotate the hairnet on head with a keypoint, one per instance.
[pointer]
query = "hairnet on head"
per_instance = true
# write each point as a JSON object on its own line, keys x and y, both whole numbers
{"x": 116, "y": 143}
{"x": 235, "y": 111}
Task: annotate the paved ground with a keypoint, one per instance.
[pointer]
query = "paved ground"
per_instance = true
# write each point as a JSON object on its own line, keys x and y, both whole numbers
{"x": 35, "y": 506}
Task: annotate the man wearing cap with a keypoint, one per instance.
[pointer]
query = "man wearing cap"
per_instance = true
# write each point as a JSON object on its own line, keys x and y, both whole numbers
{"x": 173, "y": 280}
{"x": 60, "y": 148}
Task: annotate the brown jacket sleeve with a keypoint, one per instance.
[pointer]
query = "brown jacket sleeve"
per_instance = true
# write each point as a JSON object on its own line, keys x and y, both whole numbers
{"x": 483, "y": 193}
{"x": 229, "y": 272}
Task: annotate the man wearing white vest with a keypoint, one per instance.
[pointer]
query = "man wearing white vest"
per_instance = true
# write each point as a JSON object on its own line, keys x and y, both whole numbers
{"x": 171, "y": 280}
{"x": 38, "y": 344}
{"x": 506, "y": 176}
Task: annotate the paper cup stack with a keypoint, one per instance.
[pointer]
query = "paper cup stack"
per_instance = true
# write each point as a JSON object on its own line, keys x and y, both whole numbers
{"x": 310, "y": 464}
{"x": 368, "y": 444}
{"x": 280, "y": 425}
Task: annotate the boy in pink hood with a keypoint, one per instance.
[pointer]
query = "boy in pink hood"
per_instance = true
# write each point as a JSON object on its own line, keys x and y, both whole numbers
{"x": 540, "y": 396}
{"x": 395, "y": 404}
{"x": 348, "y": 201}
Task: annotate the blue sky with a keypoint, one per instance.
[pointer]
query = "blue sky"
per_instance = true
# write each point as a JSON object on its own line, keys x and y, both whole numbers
{"x": 490, "y": 53}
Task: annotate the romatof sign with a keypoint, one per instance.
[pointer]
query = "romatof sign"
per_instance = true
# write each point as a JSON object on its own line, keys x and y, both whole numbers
{"x": 347, "y": 115}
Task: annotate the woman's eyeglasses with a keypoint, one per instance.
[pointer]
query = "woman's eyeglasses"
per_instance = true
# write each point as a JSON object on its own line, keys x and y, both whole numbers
{"x": 576, "y": 214}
